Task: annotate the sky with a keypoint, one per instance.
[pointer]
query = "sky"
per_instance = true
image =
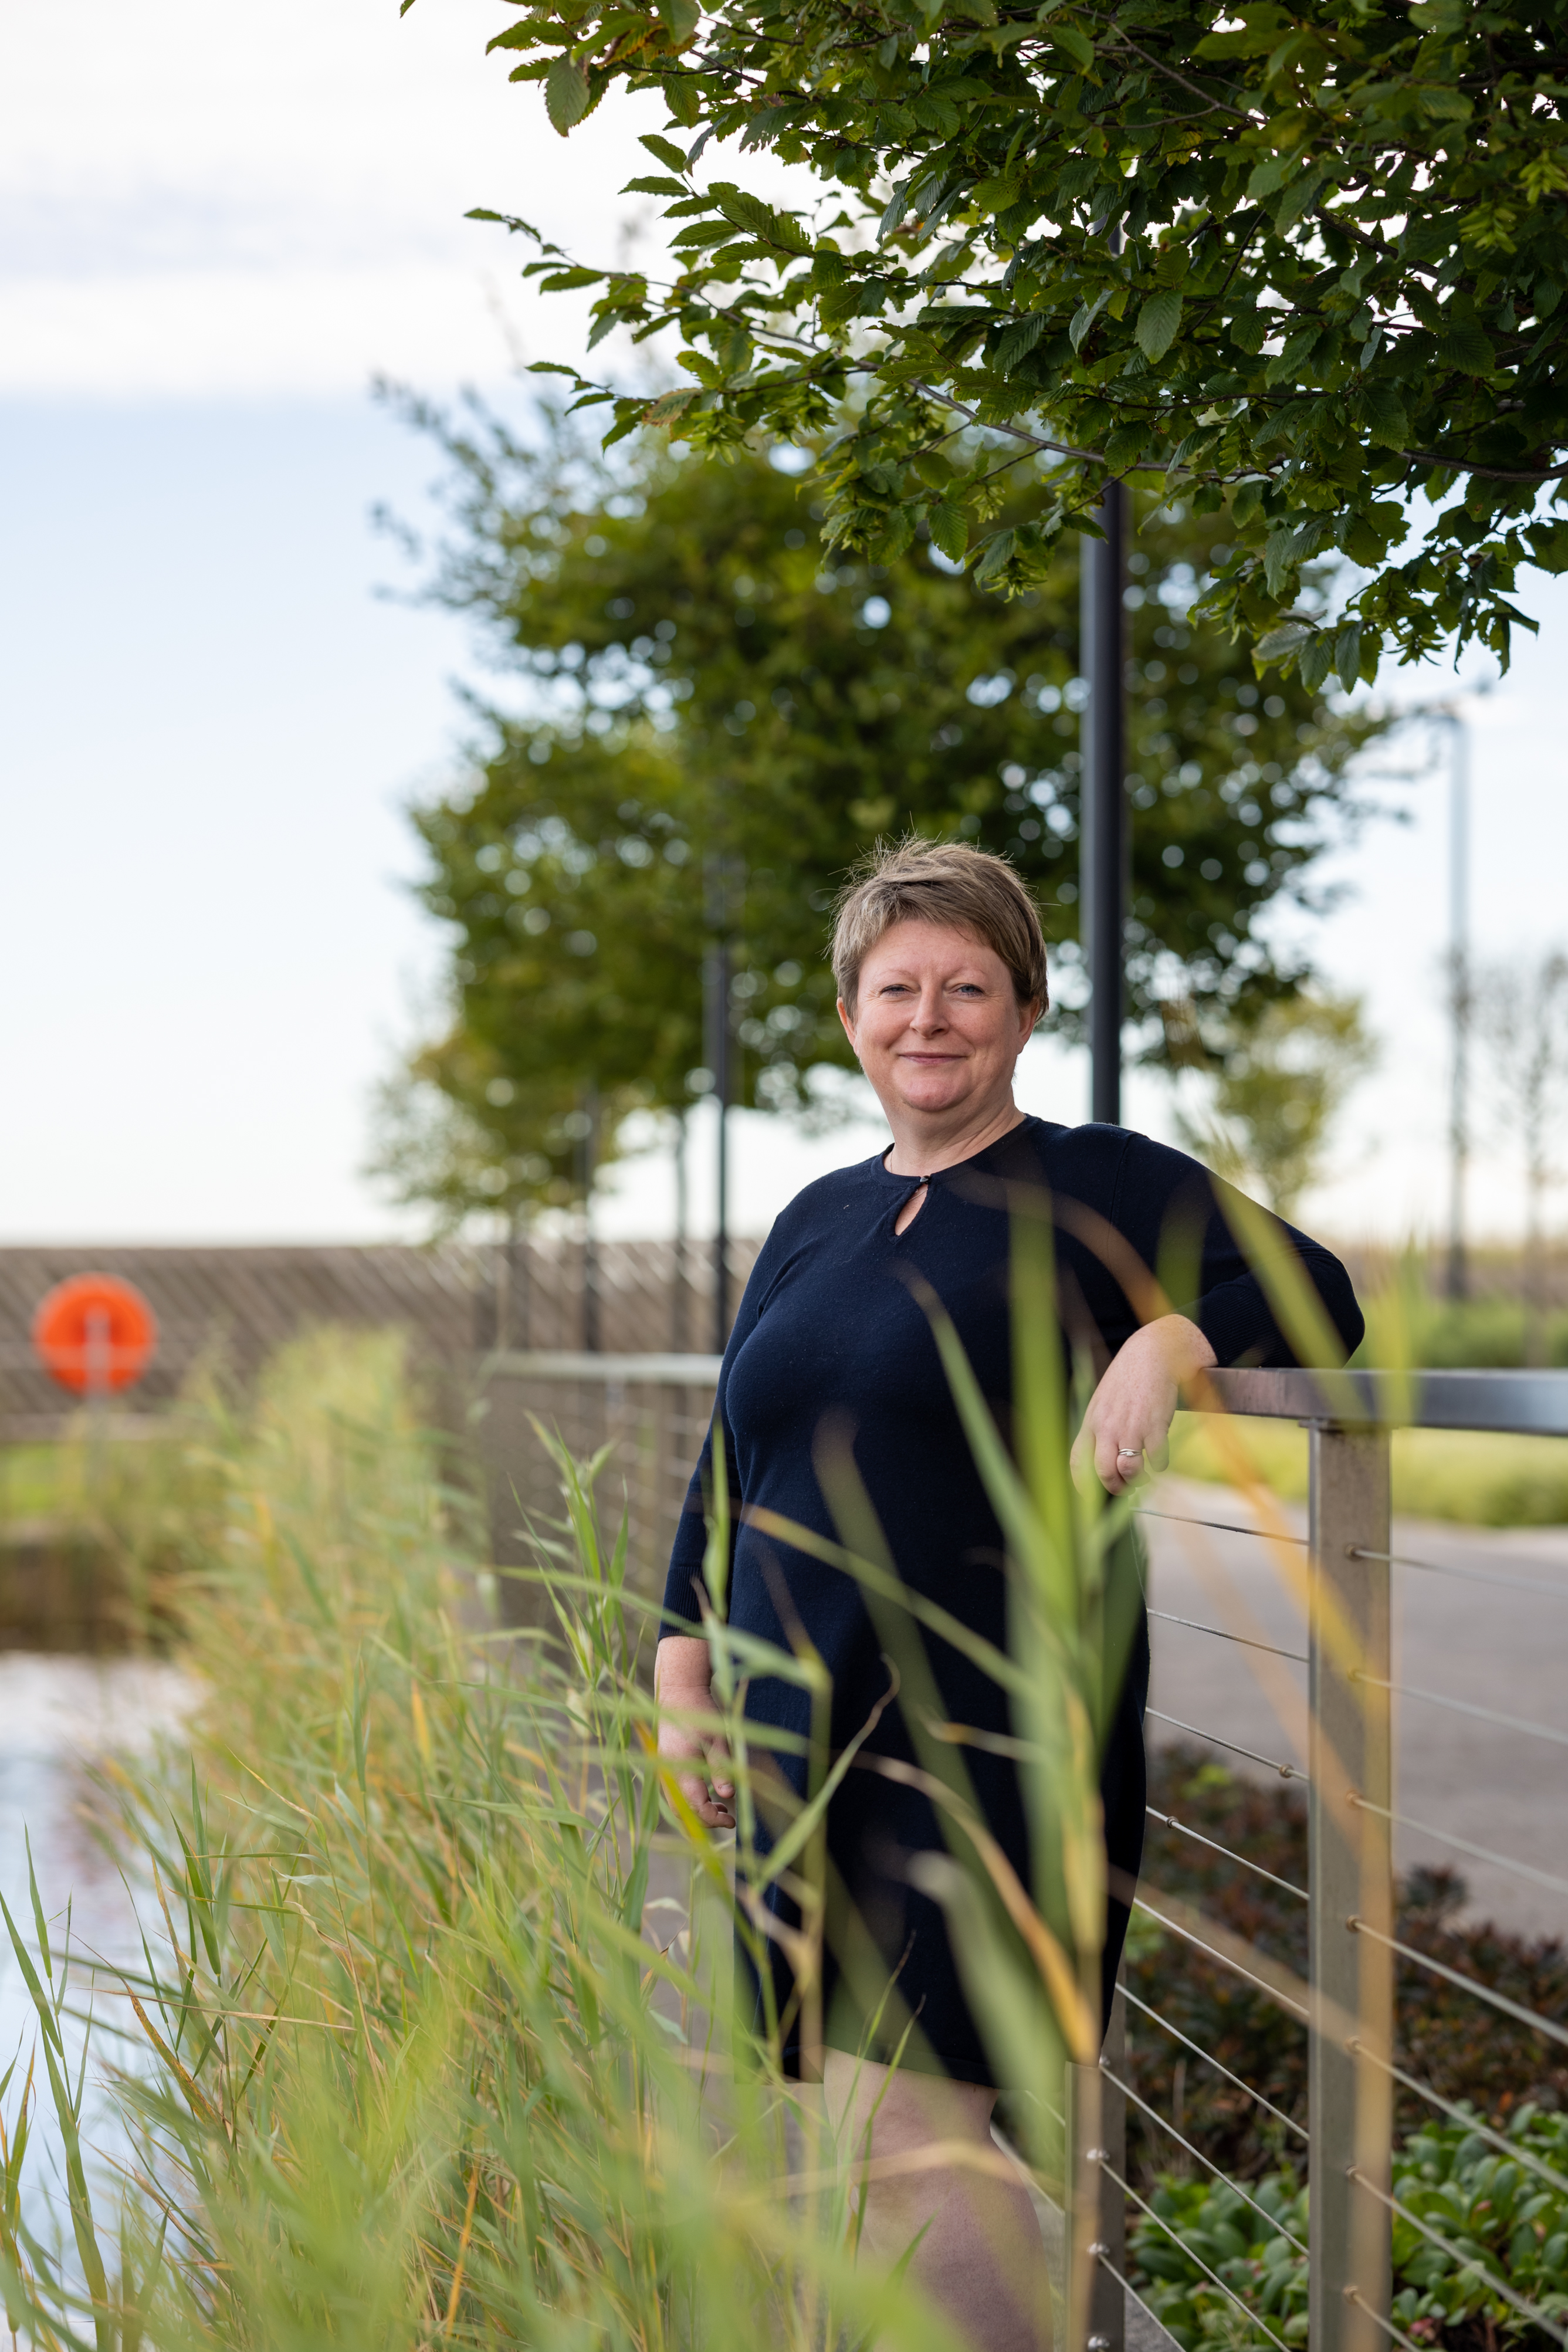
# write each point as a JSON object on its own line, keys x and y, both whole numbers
{"x": 216, "y": 231}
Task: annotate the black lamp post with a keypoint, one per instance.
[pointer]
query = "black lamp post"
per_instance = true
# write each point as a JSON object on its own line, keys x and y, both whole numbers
{"x": 723, "y": 895}
{"x": 1102, "y": 832}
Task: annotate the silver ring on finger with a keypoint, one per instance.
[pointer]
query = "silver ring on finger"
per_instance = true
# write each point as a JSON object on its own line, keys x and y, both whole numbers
{"x": 1129, "y": 1452}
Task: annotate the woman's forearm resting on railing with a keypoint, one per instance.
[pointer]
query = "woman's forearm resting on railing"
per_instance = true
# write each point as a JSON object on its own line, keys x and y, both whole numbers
{"x": 1128, "y": 1421}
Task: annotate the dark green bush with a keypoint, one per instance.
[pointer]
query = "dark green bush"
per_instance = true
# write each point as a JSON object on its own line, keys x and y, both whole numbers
{"x": 1503, "y": 2211}
{"x": 1445, "y": 2037}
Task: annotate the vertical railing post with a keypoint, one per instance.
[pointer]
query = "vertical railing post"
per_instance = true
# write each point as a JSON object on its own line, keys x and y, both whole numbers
{"x": 1097, "y": 2208}
{"x": 1351, "y": 1879}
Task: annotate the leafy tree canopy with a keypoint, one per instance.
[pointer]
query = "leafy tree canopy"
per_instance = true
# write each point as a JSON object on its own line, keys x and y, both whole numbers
{"x": 1287, "y": 1070}
{"x": 702, "y": 686}
{"x": 1301, "y": 262}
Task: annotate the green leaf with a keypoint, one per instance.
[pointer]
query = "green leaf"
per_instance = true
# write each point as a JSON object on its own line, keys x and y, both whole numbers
{"x": 654, "y": 187}
{"x": 1347, "y": 655}
{"x": 1315, "y": 662}
{"x": 1077, "y": 45}
{"x": 1260, "y": 30}
{"x": 1467, "y": 349}
{"x": 566, "y": 95}
{"x": 664, "y": 150}
{"x": 1300, "y": 197}
{"x": 1084, "y": 317}
{"x": 1158, "y": 320}
{"x": 1281, "y": 642}
{"x": 1016, "y": 344}
{"x": 30, "y": 1977}
{"x": 995, "y": 555}
{"x": 669, "y": 408}
{"x": 1127, "y": 445}
{"x": 949, "y": 531}
{"x": 1441, "y": 105}
{"x": 759, "y": 220}
{"x": 1384, "y": 411}
{"x": 1278, "y": 558}
{"x": 680, "y": 19}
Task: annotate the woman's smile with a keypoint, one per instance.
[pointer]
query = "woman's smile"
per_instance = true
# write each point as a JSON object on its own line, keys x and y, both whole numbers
{"x": 937, "y": 1025}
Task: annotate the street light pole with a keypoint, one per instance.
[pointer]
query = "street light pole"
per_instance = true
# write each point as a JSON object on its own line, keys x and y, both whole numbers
{"x": 1458, "y": 997}
{"x": 716, "y": 1023}
{"x": 1102, "y": 832}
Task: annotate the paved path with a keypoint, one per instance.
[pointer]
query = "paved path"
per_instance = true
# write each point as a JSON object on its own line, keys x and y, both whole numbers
{"x": 1495, "y": 1785}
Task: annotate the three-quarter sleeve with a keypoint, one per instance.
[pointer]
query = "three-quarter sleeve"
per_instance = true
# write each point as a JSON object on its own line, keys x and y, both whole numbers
{"x": 1164, "y": 1200}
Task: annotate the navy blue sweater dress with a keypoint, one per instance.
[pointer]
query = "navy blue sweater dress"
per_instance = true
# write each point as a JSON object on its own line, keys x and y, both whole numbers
{"x": 830, "y": 1330}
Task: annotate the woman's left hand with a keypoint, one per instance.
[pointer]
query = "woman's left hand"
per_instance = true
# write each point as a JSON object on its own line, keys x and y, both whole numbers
{"x": 1127, "y": 1424}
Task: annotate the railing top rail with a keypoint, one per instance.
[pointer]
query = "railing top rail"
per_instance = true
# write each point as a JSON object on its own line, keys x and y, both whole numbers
{"x": 1532, "y": 1404}
{"x": 586, "y": 1364}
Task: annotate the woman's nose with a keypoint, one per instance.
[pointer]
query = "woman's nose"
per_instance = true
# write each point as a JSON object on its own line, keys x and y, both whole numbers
{"x": 930, "y": 1013}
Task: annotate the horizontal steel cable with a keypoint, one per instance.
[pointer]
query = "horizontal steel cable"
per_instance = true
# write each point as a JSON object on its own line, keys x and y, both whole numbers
{"x": 1286, "y": 1771}
{"x": 1396, "y": 2335}
{"x": 1297, "y": 1657}
{"x": 1223, "y": 1958}
{"x": 1211, "y": 2060}
{"x": 1530, "y": 2311}
{"x": 1464, "y": 1845}
{"x": 1509, "y": 2148}
{"x": 1207, "y": 2162}
{"x": 1214, "y": 1847}
{"x": 1466, "y": 1706}
{"x": 1498, "y": 2001}
{"x": 1466, "y": 1575}
{"x": 1222, "y": 1527}
{"x": 1193, "y": 2255}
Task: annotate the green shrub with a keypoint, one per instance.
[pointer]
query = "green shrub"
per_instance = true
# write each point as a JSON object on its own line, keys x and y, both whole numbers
{"x": 1501, "y": 2210}
{"x": 1445, "y": 2037}
{"x": 1214, "y": 2225}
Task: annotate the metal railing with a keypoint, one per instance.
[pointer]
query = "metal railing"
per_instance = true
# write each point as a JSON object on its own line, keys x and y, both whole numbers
{"x": 1348, "y": 1999}
{"x": 1345, "y": 1564}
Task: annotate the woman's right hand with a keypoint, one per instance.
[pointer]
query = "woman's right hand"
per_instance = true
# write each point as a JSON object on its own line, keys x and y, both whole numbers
{"x": 683, "y": 1683}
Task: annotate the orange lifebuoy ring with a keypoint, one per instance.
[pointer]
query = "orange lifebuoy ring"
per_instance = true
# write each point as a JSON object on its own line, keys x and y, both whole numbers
{"x": 95, "y": 1333}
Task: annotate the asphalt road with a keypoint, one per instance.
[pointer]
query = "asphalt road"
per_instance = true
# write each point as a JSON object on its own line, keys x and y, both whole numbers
{"x": 1498, "y": 1785}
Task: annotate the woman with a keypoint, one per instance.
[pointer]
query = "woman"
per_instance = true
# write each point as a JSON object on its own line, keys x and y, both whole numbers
{"x": 940, "y": 964}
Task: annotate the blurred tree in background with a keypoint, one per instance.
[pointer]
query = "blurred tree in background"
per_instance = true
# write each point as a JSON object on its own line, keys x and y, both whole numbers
{"x": 698, "y": 690}
{"x": 1521, "y": 1012}
{"x": 1287, "y": 1067}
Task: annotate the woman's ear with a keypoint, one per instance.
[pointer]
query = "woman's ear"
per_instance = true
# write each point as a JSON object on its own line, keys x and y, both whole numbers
{"x": 847, "y": 1017}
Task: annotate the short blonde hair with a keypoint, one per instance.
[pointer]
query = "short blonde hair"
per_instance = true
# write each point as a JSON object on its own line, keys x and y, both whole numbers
{"x": 944, "y": 882}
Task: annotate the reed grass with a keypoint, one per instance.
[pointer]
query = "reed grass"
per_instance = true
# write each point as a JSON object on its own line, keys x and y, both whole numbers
{"x": 433, "y": 2042}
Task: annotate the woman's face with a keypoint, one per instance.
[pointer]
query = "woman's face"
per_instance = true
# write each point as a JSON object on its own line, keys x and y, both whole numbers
{"x": 936, "y": 1024}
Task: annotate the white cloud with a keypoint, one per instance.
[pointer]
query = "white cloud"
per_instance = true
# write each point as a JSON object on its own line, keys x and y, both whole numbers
{"x": 198, "y": 200}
